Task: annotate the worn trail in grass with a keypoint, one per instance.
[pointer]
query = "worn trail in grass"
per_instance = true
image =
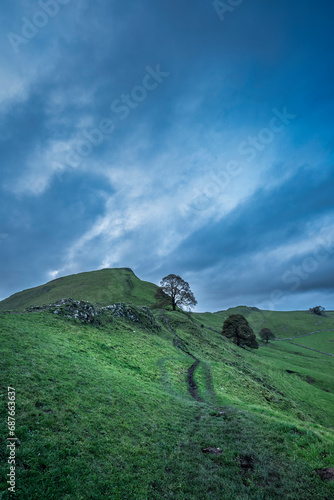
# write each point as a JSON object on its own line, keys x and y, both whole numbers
{"x": 106, "y": 412}
{"x": 178, "y": 342}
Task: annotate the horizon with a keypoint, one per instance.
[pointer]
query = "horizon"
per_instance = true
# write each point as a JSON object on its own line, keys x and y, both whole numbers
{"x": 171, "y": 138}
{"x": 193, "y": 309}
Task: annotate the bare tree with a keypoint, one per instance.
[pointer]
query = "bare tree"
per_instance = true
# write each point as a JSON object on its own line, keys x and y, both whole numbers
{"x": 178, "y": 290}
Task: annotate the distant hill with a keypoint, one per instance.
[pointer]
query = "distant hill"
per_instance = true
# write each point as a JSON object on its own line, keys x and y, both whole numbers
{"x": 104, "y": 287}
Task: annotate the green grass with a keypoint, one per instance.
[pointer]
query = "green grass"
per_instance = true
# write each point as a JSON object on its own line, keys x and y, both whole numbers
{"x": 105, "y": 412}
{"x": 104, "y": 287}
{"x": 322, "y": 341}
{"x": 283, "y": 324}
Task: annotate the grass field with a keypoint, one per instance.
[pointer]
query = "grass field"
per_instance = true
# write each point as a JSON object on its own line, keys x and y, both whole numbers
{"x": 322, "y": 341}
{"x": 104, "y": 287}
{"x": 105, "y": 411}
{"x": 283, "y": 324}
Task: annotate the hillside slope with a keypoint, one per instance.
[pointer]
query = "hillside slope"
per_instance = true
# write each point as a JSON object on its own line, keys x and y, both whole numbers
{"x": 284, "y": 324}
{"x": 104, "y": 287}
{"x": 105, "y": 411}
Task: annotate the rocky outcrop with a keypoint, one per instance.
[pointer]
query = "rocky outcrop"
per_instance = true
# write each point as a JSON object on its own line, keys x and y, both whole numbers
{"x": 141, "y": 314}
{"x": 91, "y": 313}
{"x": 70, "y": 308}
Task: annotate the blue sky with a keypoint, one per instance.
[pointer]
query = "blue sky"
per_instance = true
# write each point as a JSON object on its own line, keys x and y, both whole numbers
{"x": 184, "y": 137}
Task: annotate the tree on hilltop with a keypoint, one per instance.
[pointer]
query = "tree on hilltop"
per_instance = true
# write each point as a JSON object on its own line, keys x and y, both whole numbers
{"x": 237, "y": 329}
{"x": 178, "y": 290}
{"x": 318, "y": 310}
{"x": 266, "y": 334}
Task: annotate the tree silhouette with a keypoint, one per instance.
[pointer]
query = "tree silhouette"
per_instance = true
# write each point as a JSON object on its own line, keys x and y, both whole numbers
{"x": 237, "y": 329}
{"x": 318, "y": 310}
{"x": 266, "y": 334}
{"x": 178, "y": 290}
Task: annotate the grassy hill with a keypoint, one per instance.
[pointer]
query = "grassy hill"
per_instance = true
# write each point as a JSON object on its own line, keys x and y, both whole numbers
{"x": 104, "y": 287}
{"x": 106, "y": 410}
{"x": 283, "y": 323}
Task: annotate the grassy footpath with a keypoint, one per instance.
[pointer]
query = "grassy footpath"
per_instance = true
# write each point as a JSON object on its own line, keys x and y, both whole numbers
{"x": 106, "y": 413}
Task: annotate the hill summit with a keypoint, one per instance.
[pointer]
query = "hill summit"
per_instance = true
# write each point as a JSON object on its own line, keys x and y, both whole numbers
{"x": 102, "y": 287}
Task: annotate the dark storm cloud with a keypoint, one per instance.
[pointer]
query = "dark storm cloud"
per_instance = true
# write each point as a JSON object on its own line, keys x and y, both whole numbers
{"x": 35, "y": 240}
{"x": 224, "y": 79}
{"x": 263, "y": 221}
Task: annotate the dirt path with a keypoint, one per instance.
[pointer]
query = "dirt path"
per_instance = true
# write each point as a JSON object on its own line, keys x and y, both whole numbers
{"x": 192, "y": 387}
{"x": 179, "y": 343}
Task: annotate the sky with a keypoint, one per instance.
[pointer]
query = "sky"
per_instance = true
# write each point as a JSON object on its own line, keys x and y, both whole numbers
{"x": 170, "y": 136}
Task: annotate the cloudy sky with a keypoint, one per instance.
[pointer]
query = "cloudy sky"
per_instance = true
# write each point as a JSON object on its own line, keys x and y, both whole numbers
{"x": 170, "y": 136}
